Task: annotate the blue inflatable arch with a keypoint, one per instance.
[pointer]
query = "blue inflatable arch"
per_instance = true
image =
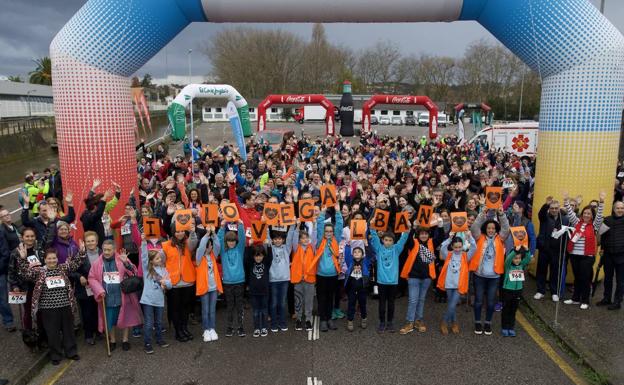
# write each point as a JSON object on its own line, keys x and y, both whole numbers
{"x": 578, "y": 53}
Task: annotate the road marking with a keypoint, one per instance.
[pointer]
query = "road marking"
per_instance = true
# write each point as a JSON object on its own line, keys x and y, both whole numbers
{"x": 316, "y": 334}
{"x": 59, "y": 373}
{"x": 550, "y": 352}
{"x": 314, "y": 381}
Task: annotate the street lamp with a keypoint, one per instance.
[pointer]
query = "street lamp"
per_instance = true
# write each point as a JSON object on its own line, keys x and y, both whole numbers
{"x": 192, "y": 139}
{"x": 28, "y": 96}
{"x": 188, "y": 54}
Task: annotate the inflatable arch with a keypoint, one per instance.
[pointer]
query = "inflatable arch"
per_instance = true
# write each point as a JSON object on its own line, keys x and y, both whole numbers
{"x": 401, "y": 99}
{"x": 578, "y": 53}
{"x": 176, "y": 113}
{"x": 330, "y": 119}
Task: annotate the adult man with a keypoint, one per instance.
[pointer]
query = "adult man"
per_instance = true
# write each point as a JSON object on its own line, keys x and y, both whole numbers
{"x": 54, "y": 179}
{"x": 551, "y": 249}
{"x": 612, "y": 243}
{"x": 40, "y": 222}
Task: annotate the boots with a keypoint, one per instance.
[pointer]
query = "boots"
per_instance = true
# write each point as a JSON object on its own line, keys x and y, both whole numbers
{"x": 408, "y": 328}
{"x": 455, "y": 328}
{"x": 420, "y": 326}
{"x": 444, "y": 328}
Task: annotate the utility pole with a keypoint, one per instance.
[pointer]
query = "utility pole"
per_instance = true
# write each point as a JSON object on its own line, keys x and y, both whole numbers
{"x": 602, "y": 5}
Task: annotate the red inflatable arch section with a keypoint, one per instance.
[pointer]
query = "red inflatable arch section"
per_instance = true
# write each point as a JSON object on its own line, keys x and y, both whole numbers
{"x": 401, "y": 99}
{"x": 473, "y": 106}
{"x": 330, "y": 120}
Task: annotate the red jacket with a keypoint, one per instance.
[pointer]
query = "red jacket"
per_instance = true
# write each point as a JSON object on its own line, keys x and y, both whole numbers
{"x": 247, "y": 214}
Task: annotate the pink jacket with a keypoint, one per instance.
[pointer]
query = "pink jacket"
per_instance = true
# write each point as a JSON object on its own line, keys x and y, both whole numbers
{"x": 130, "y": 312}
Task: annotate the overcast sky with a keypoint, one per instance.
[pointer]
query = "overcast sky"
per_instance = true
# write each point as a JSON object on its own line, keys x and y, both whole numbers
{"x": 28, "y": 26}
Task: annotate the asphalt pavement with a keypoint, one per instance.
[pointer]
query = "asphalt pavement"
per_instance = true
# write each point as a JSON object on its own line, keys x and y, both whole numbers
{"x": 336, "y": 357}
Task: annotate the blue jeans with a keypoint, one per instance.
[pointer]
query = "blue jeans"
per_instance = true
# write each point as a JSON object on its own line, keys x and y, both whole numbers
{"x": 152, "y": 319}
{"x": 487, "y": 286}
{"x": 259, "y": 306}
{"x": 278, "y": 304}
{"x": 417, "y": 288}
{"x": 209, "y": 309}
{"x": 358, "y": 295}
{"x": 5, "y": 308}
{"x": 452, "y": 298}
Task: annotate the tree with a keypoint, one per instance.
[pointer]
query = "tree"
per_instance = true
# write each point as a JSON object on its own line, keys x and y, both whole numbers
{"x": 43, "y": 73}
{"x": 147, "y": 81}
{"x": 436, "y": 74}
{"x": 16, "y": 79}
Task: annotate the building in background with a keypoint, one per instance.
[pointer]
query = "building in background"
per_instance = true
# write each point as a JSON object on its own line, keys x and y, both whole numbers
{"x": 20, "y": 100}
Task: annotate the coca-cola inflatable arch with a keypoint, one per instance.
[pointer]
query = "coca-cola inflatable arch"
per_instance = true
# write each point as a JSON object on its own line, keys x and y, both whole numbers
{"x": 330, "y": 120}
{"x": 401, "y": 99}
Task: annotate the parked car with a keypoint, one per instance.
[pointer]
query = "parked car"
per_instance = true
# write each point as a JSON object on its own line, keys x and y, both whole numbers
{"x": 384, "y": 120}
{"x": 423, "y": 119}
{"x": 397, "y": 121}
{"x": 410, "y": 121}
{"x": 373, "y": 120}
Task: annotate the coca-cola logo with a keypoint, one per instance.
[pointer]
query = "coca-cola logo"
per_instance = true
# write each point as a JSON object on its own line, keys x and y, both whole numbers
{"x": 295, "y": 99}
{"x": 401, "y": 100}
{"x": 346, "y": 108}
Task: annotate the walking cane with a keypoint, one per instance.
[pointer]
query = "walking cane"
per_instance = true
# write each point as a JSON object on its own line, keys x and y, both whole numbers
{"x": 106, "y": 328}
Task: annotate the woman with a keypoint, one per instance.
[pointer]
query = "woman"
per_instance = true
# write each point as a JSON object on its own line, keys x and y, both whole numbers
{"x": 54, "y": 297}
{"x": 178, "y": 259}
{"x": 84, "y": 294}
{"x": 488, "y": 265}
{"x": 63, "y": 242}
{"x": 582, "y": 248}
{"x": 122, "y": 309}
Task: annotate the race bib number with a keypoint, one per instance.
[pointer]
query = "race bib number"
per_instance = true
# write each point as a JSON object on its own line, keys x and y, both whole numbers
{"x": 33, "y": 261}
{"x": 126, "y": 230}
{"x": 112, "y": 278}
{"x": 516, "y": 275}
{"x": 89, "y": 291}
{"x": 55, "y": 282}
{"x": 17, "y": 297}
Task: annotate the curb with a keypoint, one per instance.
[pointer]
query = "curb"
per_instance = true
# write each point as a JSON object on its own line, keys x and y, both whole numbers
{"x": 32, "y": 371}
{"x": 587, "y": 359}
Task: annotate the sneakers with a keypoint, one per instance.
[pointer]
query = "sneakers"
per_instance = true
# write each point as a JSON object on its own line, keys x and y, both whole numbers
{"x": 455, "y": 328}
{"x": 285, "y": 328}
{"x": 162, "y": 344}
{"x": 298, "y": 325}
{"x": 444, "y": 328}
{"x": 229, "y": 332}
{"x": 241, "y": 332}
{"x": 408, "y": 328}
{"x": 381, "y": 327}
{"x": 555, "y": 298}
{"x": 213, "y": 335}
{"x": 264, "y": 332}
{"x": 350, "y": 326}
{"x": 487, "y": 329}
{"x": 339, "y": 314}
{"x": 505, "y": 332}
{"x": 256, "y": 333}
{"x": 498, "y": 306}
{"x": 420, "y": 326}
{"x": 614, "y": 306}
{"x": 90, "y": 341}
{"x": 603, "y": 302}
{"x": 207, "y": 336}
{"x": 308, "y": 326}
{"x": 274, "y": 329}
{"x": 390, "y": 327}
{"x": 478, "y": 329}
{"x": 364, "y": 323}
{"x": 148, "y": 349}
{"x": 571, "y": 302}
{"x": 512, "y": 333}
{"x": 323, "y": 327}
{"x": 584, "y": 306}
{"x": 332, "y": 325}
{"x": 136, "y": 333}
{"x": 537, "y": 296}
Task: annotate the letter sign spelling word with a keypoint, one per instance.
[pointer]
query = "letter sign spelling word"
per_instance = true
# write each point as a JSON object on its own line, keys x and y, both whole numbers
{"x": 230, "y": 212}
{"x": 358, "y": 229}
{"x": 493, "y": 197}
{"x": 459, "y": 222}
{"x": 380, "y": 220}
{"x": 258, "y": 231}
{"x": 210, "y": 215}
{"x": 183, "y": 220}
{"x": 287, "y": 214}
{"x": 271, "y": 214}
{"x": 424, "y": 215}
{"x": 306, "y": 210}
{"x": 151, "y": 227}
{"x": 401, "y": 223}
{"x": 328, "y": 195}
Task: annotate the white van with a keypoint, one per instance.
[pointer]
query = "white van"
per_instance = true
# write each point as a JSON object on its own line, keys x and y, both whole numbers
{"x": 423, "y": 119}
{"x": 442, "y": 119}
{"x": 519, "y": 138}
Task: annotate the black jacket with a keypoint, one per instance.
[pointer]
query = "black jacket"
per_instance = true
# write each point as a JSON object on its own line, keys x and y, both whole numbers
{"x": 545, "y": 241}
{"x": 92, "y": 221}
{"x": 612, "y": 241}
{"x": 38, "y": 224}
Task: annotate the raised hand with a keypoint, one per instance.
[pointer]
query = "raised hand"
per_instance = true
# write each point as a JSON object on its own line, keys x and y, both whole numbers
{"x": 81, "y": 246}
{"x": 21, "y": 250}
{"x": 69, "y": 197}
{"x": 123, "y": 255}
{"x": 602, "y": 196}
{"x": 116, "y": 185}
{"x": 51, "y": 214}
{"x": 96, "y": 184}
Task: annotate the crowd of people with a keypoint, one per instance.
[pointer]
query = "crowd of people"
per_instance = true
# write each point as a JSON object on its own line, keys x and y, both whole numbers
{"x": 121, "y": 277}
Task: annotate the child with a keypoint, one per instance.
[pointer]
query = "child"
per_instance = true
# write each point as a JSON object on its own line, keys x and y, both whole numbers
{"x": 208, "y": 283}
{"x": 232, "y": 253}
{"x": 302, "y": 257}
{"x": 356, "y": 284}
{"x": 53, "y": 296}
{"x": 515, "y": 264}
{"x": 454, "y": 276}
{"x": 258, "y": 267}
{"x": 155, "y": 281}
{"x": 419, "y": 270}
{"x": 279, "y": 274}
{"x": 387, "y": 256}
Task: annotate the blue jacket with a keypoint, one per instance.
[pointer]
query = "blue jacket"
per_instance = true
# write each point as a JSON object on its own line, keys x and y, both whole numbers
{"x": 232, "y": 259}
{"x": 387, "y": 259}
{"x": 348, "y": 257}
{"x": 326, "y": 266}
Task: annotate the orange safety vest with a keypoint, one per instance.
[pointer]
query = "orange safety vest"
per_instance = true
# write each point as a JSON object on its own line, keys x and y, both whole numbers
{"x": 179, "y": 266}
{"x": 411, "y": 258}
{"x": 201, "y": 287}
{"x": 463, "y": 274}
{"x": 302, "y": 258}
{"x": 319, "y": 253}
{"x": 499, "y": 255}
